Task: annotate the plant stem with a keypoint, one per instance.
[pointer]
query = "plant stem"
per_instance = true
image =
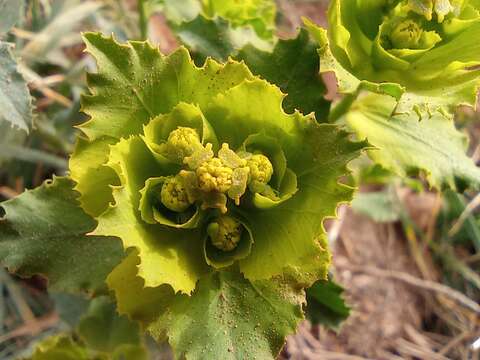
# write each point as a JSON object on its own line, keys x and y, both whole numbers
{"x": 142, "y": 20}
{"x": 342, "y": 107}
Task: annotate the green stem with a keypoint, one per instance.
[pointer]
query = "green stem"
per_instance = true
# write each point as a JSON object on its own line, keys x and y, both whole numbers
{"x": 341, "y": 107}
{"x": 142, "y": 20}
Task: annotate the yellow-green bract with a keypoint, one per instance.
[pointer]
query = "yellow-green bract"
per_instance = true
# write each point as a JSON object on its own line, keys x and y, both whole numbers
{"x": 423, "y": 52}
{"x": 260, "y": 14}
{"x": 217, "y": 194}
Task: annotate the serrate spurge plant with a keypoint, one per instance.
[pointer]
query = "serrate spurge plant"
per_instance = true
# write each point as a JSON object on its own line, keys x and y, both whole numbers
{"x": 217, "y": 194}
{"x": 404, "y": 67}
{"x": 423, "y": 52}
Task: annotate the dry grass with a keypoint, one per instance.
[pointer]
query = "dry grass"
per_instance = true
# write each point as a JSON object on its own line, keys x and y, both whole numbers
{"x": 401, "y": 310}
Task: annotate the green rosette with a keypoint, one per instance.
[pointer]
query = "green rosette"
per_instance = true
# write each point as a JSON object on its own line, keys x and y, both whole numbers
{"x": 217, "y": 195}
{"x": 259, "y": 14}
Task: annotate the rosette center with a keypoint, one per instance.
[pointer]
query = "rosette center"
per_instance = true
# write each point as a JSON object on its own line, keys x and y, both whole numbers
{"x": 201, "y": 176}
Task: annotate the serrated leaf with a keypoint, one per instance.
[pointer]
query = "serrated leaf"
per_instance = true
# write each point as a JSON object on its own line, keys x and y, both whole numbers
{"x": 215, "y": 37}
{"x": 237, "y": 319}
{"x": 100, "y": 333}
{"x": 293, "y": 65}
{"x": 43, "y": 232}
{"x": 325, "y": 304}
{"x": 132, "y": 77}
{"x": 68, "y": 347}
{"x": 227, "y": 317}
{"x": 15, "y": 101}
{"x": 206, "y": 37}
{"x": 140, "y": 303}
{"x": 11, "y": 11}
{"x": 93, "y": 180}
{"x": 406, "y": 144}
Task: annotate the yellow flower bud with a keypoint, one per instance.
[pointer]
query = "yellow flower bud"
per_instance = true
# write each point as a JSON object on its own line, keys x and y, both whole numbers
{"x": 174, "y": 195}
{"x": 225, "y": 233}
{"x": 261, "y": 169}
{"x": 182, "y": 142}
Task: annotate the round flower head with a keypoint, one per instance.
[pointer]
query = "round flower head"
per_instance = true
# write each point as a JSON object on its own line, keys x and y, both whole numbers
{"x": 182, "y": 142}
{"x": 174, "y": 195}
{"x": 225, "y": 232}
{"x": 261, "y": 169}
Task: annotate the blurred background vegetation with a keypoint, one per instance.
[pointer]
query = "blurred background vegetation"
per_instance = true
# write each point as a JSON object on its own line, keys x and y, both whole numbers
{"x": 408, "y": 257}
